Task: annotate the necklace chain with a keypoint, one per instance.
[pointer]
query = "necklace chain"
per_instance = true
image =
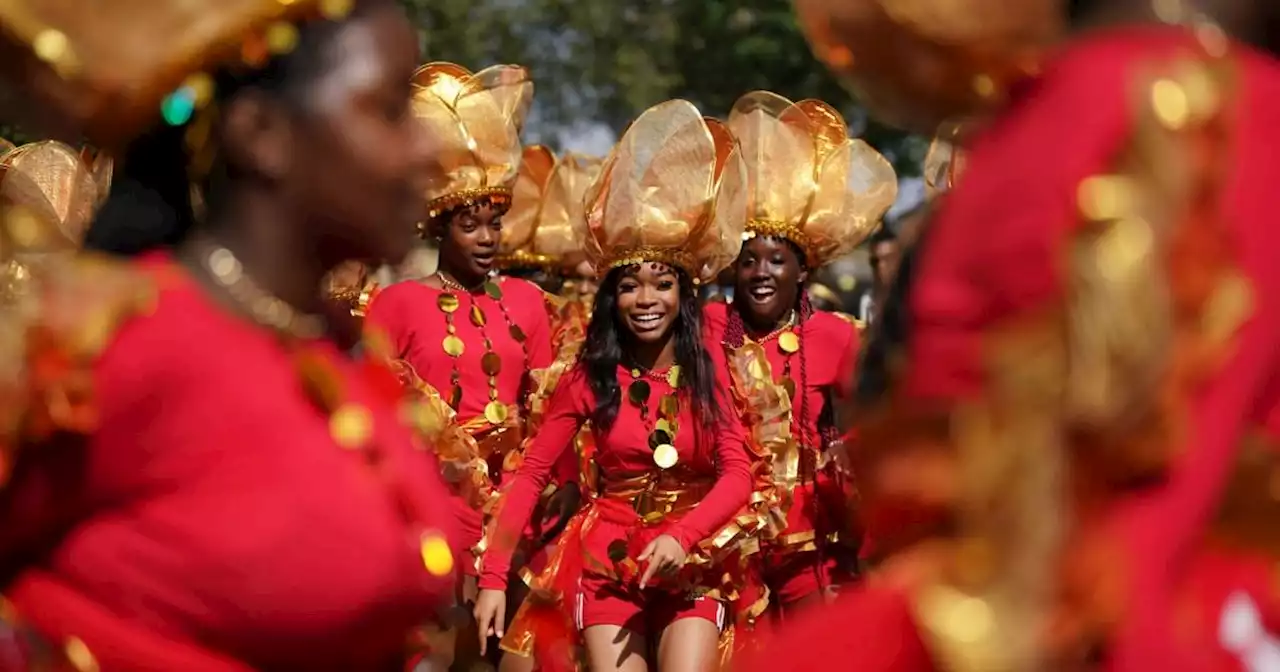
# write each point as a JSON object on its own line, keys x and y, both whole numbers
{"x": 265, "y": 308}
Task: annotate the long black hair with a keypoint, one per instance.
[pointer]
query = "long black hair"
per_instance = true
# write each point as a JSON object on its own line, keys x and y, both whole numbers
{"x": 606, "y": 348}
{"x": 150, "y": 203}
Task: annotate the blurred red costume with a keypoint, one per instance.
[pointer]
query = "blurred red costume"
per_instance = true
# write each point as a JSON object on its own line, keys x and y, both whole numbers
{"x": 1145, "y": 579}
{"x": 194, "y": 492}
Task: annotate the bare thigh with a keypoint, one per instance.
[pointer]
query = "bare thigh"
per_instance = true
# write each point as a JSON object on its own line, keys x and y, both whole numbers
{"x": 689, "y": 645}
{"x": 613, "y": 648}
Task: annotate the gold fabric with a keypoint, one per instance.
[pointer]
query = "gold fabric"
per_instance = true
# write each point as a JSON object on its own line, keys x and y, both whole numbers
{"x": 808, "y": 181}
{"x": 914, "y": 63}
{"x": 522, "y": 222}
{"x": 101, "y": 69}
{"x": 475, "y": 119}
{"x": 673, "y": 190}
{"x": 51, "y": 182}
{"x": 944, "y": 162}
{"x": 563, "y": 217}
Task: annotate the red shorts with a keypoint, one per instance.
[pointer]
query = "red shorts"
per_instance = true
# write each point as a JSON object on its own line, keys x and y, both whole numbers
{"x": 603, "y": 601}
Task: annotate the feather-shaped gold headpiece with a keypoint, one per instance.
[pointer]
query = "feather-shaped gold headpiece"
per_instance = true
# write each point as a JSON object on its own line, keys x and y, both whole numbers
{"x": 673, "y": 190}
{"x": 542, "y": 228}
{"x": 475, "y": 119}
{"x": 808, "y": 180}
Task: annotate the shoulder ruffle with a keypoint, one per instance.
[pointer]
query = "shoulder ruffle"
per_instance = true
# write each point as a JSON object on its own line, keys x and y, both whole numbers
{"x": 50, "y": 341}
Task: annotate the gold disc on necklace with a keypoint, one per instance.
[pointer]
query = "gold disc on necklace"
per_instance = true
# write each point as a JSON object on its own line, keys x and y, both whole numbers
{"x": 657, "y": 438}
{"x": 436, "y": 556}
{"x": 517, "y": 333}
{"x": 673, "y": 375}
{"x": 663, "y": 425}
{"x": 638, "y": 392}
{"x": 495, "y": 412}
{"x": 477, "y": 316}
{"x": 455, "y": 397}
{"x": 448, "y": 303}
{"x": 493, "y": 290}
{"x": 665, "y": 456}
{"x": 788, "y": 342}
{"x": 491, "y": 364}
{"x": 351, "y": 426}
{"x": 669, "y": 406}
{"x": 453, "y": 346}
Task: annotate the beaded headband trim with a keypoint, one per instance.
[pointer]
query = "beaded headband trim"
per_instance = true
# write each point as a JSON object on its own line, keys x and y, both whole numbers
{"x": 671, "y": 257}
{"x": 497, "y": 197}
{"x": 525, "y": 259}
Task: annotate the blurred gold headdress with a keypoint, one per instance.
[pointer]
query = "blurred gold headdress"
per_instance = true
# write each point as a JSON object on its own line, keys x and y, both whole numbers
{"x": 673, "y": 190}
{"x": 108, "y": 73}
{"x": 49, "y": 196}
{"x": 475, "y": 119}
{"x": 545, "y": 221}
{"x": 809, "y": 182}
{"x": 914, "y": 63}
{"x": 522, "y": 222}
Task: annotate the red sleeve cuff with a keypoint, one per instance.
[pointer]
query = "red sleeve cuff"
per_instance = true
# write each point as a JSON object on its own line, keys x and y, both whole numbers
{"x": 491, "y": 582}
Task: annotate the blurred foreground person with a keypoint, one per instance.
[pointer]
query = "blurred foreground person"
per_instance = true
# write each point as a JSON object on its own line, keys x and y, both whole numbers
{"x": 1069, "y": 465}
{"x": 198, "y": 479}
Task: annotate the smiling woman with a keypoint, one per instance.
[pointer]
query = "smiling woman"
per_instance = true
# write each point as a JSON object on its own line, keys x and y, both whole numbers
{"x": 637, "y": 566}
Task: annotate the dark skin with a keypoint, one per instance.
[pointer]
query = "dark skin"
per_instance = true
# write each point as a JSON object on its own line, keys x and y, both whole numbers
{"x": 468, "y": 244}
{"x": 885, "y": 256}
{"x": 335, "y": 178}
{"x": 767, "y": 281}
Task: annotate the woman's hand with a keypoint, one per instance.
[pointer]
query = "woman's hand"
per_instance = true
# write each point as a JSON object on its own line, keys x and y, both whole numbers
{"x": 491, "y": 615}
{"x": 665, "y": 556}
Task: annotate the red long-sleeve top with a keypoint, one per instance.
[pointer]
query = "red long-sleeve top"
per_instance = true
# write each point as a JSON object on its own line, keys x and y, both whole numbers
{"x": 827, "y": 357}
{"x": 623, "y": 452}
{"x": 994, "y": 252}
{"x": 212, "y": 521}
{"x": 409, "y": 314}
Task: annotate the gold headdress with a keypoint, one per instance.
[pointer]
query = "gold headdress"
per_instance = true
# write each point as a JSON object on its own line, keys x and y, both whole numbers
{"x": 673, "y": 190}
{"x": 49, "y": 196}
{"x": 809, "y": 182}
{"x": 543, "y": 226}
{"x": 522, "y": 222}
{"x": 476, "y": 120}
{"x": 917, "y": 63}
{"x": 109, "y": 73}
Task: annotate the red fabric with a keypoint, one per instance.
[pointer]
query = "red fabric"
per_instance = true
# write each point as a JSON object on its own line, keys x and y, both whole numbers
{"x": 212, "y": 508}
{"x": 867, "y": 629}
{"x": 993, "y": 252}
{"x": 602, "y": 601}
{"x": 407, "y": 312}
{"x": 624, "y": 451}
{"x": 818, "y": 503}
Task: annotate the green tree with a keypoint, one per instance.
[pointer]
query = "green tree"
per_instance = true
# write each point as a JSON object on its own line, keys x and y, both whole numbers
{"x": 607, "y": 61}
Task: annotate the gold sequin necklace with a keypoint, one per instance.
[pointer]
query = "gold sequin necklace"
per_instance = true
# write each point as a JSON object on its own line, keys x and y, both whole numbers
{"x": 264, "y": 308}
{"x": 495, "y": 412}
{"x": 662, "y": 436}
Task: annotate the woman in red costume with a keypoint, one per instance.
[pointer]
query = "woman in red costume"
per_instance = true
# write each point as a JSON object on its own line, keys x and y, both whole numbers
{"x": 815, "y": 195}
{"x": 200, "y": 479}
{"x": 471, "y": 336}
{"x": 1087, "y": 404}
{"x": 639, "y": 568}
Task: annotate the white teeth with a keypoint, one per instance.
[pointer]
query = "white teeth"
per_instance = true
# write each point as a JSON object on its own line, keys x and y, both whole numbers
{"x": 647, "y": 318}
{"x": 762, "y": 292}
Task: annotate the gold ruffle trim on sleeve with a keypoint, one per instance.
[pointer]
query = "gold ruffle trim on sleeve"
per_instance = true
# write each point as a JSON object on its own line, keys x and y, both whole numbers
{"x": 50, "y": 340}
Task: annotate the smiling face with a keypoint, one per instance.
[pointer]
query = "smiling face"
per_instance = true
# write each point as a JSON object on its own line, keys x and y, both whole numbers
{"x": 769, "y": 274}
{"x": 648, "y": 300}
{"x": 469, "y": 242}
